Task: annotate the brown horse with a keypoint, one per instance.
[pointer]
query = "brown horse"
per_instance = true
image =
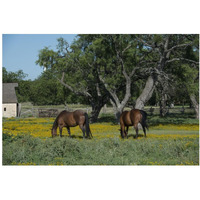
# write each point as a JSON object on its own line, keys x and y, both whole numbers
{"x": 132, "y": 118}
{"x": 72, "y": 119}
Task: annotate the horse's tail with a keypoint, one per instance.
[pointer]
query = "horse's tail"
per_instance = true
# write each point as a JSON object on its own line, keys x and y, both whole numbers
{"x": 144, "y": 118}
{"x": 88, "y": 131}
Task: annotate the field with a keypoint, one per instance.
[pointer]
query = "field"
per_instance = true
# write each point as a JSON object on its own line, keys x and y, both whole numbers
{"x": 173, "y": 140}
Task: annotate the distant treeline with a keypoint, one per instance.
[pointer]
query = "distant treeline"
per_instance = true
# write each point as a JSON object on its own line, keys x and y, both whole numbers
{"x": 44, "y": 90}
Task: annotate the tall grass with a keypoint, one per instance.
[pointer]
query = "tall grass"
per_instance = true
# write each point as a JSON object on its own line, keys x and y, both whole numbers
{"x": 29, "y": 150}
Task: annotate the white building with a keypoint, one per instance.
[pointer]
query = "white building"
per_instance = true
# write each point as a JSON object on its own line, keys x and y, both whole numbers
{"x": 10, "y": 107}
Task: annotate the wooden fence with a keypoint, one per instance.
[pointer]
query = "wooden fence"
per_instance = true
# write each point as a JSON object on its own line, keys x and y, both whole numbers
{"x": 48, "y": 112}
{"x": 53, "y": 111}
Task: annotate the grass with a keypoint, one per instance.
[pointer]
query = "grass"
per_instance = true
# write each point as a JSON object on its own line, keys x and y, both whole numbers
{"x": 173, "y": 140}
{"x": 107, "y": 151}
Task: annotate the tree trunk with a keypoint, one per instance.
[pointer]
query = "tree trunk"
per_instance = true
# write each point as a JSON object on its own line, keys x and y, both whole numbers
{"x": 118, "y": 111}
{"x": 163, "y": 106}
{"x": 117, "y": 105}
{"x": 97, "y": 105}
{"x": 195, "y": 105}
{"x": 146, "y": 93}
{"x": 95, "y": 112}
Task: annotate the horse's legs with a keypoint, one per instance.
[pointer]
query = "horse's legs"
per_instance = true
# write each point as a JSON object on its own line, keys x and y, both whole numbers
{"x": 144, "y": 130}
{"x": 123, "y": 132}
{"x": 60, "y": 128}
{"x": 136, "y": 129}
{"x": 83, "y": 129}
{"x": 87, "y": 133}
{"x": 68, "y": 129}
{"x": 127, "y": 132}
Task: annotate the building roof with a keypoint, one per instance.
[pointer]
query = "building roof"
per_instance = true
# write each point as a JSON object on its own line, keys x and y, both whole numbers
{"x": 9, "y": 95}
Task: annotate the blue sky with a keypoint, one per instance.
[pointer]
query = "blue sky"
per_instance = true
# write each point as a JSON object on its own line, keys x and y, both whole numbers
{"x": 20, "y": 51}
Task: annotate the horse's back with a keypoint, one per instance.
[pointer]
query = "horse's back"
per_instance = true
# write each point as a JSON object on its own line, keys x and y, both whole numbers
{"x": 131, "y": 117}
{"x": 65, "y": 118}
{"x": 135, "y": 115}
{"x": 135, "y": 112}
{"x": 78, "y": 113}
{"x": 62, "y": 115}
{"x": 79, "y": 116}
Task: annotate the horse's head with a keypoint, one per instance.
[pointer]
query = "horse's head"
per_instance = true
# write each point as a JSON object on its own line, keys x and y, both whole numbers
{"x": 53, "y": 132}
{"x": 121, "y": 133}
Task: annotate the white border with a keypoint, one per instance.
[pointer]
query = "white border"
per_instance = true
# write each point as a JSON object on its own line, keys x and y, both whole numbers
{"x": 90, "y": 16}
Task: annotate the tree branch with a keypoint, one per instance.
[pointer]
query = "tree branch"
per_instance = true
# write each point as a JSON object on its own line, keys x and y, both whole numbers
{"x": 112, "y": 93}
{"x": 98, "y": 89}
{"x": 166, "y": 43}
{"x": 178, "y": 46}
{"x": 180, "y": 59}
{"x": 133, "y": 71}
{"x": 126, "y": 48}
{"x": 78, "y": 92}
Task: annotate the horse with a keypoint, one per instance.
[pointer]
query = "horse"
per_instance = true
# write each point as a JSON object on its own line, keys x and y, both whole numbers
{"x": 132, "y": 118}
{"x": 71, "y": 119}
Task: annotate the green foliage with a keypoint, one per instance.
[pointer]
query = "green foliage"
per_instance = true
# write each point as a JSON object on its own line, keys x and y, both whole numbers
{"x": 23, "y": 90}
{"x": 46, "y": 90}
{"x": 13, "y": 77}
{"x": 108, "y": 151}
{"x": 47, "y": 58}
{"x": 186, "y": 82}
{"x": 93, "y": 56}
{"x": 89, "y": 58}
{"x": 190, "y": 78}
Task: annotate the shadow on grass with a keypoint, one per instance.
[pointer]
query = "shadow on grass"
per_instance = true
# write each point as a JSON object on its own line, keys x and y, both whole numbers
{"x": 107, "y": 119}
{"x": 154, "y": 120}
{"x": 133, "y": 136}
{"x": 74, "y": 137}
{"x": 140, "y": 135}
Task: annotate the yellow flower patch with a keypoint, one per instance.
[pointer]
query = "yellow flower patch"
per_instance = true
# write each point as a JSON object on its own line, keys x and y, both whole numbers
{"x": 177, "y": 127}
{"x": 41, "y": 127}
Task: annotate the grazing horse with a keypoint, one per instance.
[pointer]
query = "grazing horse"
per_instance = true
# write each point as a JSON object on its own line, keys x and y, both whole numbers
{"x": 132, "y": 118}
{"x": 72, "y": 119}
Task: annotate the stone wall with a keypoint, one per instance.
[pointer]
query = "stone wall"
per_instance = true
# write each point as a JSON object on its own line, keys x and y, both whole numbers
{"x": 9, "y": 110}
